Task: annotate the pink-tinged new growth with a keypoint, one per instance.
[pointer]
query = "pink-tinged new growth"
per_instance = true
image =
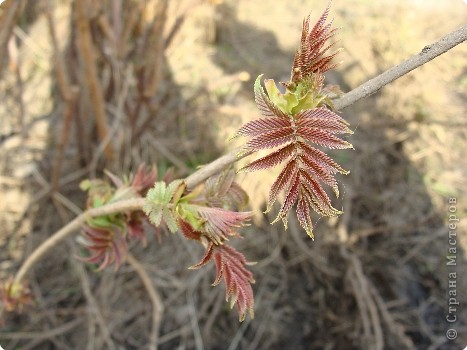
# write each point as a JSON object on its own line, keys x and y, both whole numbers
{"x": 294, "y": 124}
{"x": 209, "y": 215}
{"x": 106, "y": 237}
{"x": 223, "y": 192}
{"x": 230, "y": 264}
{"x": 107, "y": 246}
{"x": 310, "y": 57}
{"x": 144, "y": 179}
{"x": 216, "y": 223}
{"x": 14, "y": 296}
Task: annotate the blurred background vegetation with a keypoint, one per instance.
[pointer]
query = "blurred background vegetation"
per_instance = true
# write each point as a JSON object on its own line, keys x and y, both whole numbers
{"x": 92, "y": 85}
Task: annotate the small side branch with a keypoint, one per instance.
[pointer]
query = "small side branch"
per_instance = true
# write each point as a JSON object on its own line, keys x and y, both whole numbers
{"x": 156, "y": 300}
{"x": 127, "y": 205}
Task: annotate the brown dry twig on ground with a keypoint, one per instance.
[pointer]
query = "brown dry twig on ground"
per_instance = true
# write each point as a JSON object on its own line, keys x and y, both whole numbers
{"x": 156, "y": 300}
{"x": 443, "y": 45}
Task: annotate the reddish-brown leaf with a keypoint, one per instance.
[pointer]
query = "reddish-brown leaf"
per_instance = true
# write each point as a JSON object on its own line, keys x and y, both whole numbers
{"x": 270, "y": 139}
{"x": 291, "y": 196}
{"x": 319, "y": 171}
{"x": 219, "y": 223}
{"x": 144, "y": 179}
{"x": 262, "y": 126}
{"x": 303, "y": 215}
{"x": 318, "y": 195}
{"x": 322, "y": 158}
{"x": 188, "y": 231}
{"x": 323, "y": 138}
{"x": 236, "y": 197}
{"x": 107, "y": 246}
{"x": 289, "y": 171}
{"x": 310, "y": 57}
{"x": 271, "y": 160}
{"x": 230, "y": 264}
{"x": 208, "y": 254}
{"x": 222, "y": 191}
{"x": 324, "y": 119}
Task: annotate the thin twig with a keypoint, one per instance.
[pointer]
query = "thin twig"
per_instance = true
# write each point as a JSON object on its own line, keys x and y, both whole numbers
{"x": 15, "y": 59}
{"x": 44, "y": 334}
{"x": 428, "y": 53}
{"x": 68, "y": 94}
{"x": 198, "y": 177}
{"x": 154, "y": 52}
{"x": 156, "y": 300}
{"x": 93, "y": 306}
{"x": 10, "y": 12}
{"x": 127, "y": 205}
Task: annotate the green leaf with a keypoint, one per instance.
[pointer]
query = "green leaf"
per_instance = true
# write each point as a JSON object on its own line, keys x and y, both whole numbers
{"x": 157, "y": 203}
{"x": 171, "y": 190}
{"x": 159, "y": 192}
{"x": 286, "y": 102}
{"x": 189, "y": 214}
{"x": 169, "y": 219}
{"x": 85, "y": 185}
{"x": 155, "y": 215}
{"x": 98, "y": 202}
{"x": 100, "y": 221}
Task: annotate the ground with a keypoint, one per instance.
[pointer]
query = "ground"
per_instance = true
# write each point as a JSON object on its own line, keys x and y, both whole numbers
{"x": 376, "y": 277}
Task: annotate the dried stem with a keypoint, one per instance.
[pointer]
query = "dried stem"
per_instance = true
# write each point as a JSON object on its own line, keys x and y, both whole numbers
{"x": 155, "y": 49}
{"x": 156, "y": 300}
{"x": 10, "y": 12}
{"x": 198, "y": 177}
{"x": 90, "y": 71}
{"x": 66, "y": 91}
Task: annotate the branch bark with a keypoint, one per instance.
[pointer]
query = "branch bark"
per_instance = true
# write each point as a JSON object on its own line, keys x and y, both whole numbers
{"x": 428, "y": 53}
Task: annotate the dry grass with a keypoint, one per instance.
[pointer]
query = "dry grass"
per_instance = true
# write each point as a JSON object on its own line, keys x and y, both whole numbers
{"x": 374, "y": 278}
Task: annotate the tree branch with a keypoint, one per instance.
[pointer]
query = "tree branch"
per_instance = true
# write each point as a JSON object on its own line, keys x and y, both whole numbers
{"x": 428, "y": 53}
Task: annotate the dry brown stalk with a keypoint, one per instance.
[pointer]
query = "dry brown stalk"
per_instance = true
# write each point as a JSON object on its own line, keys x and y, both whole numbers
{"x": 15, "y": 64}
{"x": 86, "y": 52}
{"x": 130, "y": 19}
{"x": 156, "y": 300}
{"x": 93, "y": 307}
{"x": 69, "y": 95}
{"x": 155, "y": 49}
{"x": 152, "y": 67}
{"x": 10, "y": 12}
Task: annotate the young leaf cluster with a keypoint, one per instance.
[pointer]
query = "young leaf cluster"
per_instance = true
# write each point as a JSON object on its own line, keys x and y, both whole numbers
{"x": 209, "y": 215}
{"x": 157, "y": 206}
{"x": 294, "y": 126}
{"x": 106, "y": 237}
